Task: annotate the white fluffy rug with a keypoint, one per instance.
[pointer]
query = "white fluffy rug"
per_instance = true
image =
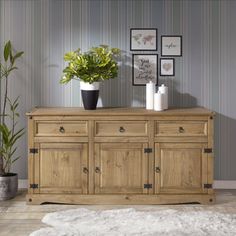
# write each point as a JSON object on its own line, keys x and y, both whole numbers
{"x": 124, "y": 222}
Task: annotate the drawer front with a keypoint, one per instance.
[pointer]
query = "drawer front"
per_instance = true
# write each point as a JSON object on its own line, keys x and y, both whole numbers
{"x": 181, "y": 128}
{"x": 121, "y": 128}
{"x": 51, "y": 128}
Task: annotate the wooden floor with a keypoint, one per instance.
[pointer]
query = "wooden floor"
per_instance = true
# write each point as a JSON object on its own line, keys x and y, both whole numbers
{"x": 17, "y": 218}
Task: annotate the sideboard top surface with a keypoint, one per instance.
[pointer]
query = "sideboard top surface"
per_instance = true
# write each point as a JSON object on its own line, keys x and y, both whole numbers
{"x": 128, "y": 111}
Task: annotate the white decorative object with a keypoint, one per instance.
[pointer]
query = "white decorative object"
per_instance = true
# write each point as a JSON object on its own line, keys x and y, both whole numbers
{"x": 164, "y": 90}
{"x": 130, "y": 222}
{"x": 88, "y": 86}
{"x": 150, "y": 90}
{"x": 158, "y": 101}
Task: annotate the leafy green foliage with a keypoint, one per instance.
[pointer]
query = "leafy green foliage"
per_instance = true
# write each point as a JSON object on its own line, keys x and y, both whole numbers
{"x": 10, "y": 137}
{"x": 98, "y": 64}
{"x": 10, "y": 59}
{"x": 8, "y": 133}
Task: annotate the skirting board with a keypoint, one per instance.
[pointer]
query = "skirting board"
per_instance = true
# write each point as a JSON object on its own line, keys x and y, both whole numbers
{"x": 224, "y": 184}
{"x": 218, "y": 184}
{"x": 23, "y": 183}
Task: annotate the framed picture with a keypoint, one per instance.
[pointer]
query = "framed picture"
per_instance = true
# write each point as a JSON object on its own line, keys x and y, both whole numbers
{"x": 145, "y": 68}
{"x": 167, "y": 66}
{"x": 171, "y": 45}
{"x": 143, "y": 39}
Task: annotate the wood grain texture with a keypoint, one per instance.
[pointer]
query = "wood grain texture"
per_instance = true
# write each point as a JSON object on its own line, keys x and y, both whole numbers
{"x": 30, "y": 155}
{"x": 61, "y": 168}
{"x": 121, "y": 128}
{"x": 195, "y": 111}
{"x": 91, "y": 157}
{"x": 122, "y": 168}
{"x": 60, "y": 139}
{"x": 210, "y": 156}
{"x": 128, "y": 199}
{"x": 112, "y": 162}
{"x": 180, "y": 138}
{"x": 151, "y": 156}
{"x": 183, "y": 167}
{"x": 181, "y": 128}
{"x": 53, "y": 128}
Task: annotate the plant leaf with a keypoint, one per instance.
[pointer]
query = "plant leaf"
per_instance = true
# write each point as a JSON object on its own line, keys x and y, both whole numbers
{"x": 16, "y": 136}
{"x": 7, "y": 50}
{"x": 13, "y": 68}
{"x": 15, "y": 159}
{"x": 18, "y": 54}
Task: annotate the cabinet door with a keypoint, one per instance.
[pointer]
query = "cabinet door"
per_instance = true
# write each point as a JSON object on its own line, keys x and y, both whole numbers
{"x": 61, "y": 168}
{"x": 121, "y": 168}
{"x": 180, "y": 168}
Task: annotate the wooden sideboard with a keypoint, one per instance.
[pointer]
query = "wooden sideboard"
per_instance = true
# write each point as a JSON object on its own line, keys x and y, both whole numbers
{"x": 120, "y": 156}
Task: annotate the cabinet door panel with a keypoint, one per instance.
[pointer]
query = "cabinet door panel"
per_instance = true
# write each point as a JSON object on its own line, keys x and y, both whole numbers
{"x": 183, "y": 168}
{"x": 61, "y": 168}
{"x": 120, "y": 168}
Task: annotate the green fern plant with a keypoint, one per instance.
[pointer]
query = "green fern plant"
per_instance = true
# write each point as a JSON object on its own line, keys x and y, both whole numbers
{"x": 98, "y": 64}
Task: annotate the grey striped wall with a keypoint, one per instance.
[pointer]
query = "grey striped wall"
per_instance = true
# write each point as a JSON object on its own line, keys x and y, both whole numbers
{"x": 205, "y": 75}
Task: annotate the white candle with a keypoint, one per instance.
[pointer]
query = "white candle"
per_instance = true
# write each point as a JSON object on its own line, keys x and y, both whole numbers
{"x": 158, "y": 101}
{"x": 150, "y": 90}
{"x": 164, "y": 90}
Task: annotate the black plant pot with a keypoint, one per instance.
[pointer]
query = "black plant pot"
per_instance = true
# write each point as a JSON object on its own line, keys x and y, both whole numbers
{"x": 90, "y": 99}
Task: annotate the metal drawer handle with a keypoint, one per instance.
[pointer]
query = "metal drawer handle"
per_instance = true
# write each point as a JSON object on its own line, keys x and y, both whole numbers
{"x": 157, "y": 169}
{"x": 62, "y": 130}
{"x": 122, "y": 129}
{"x": 181, "y": 129}
{"x": 85, "y": 170}
{"x": 97, "y": 170}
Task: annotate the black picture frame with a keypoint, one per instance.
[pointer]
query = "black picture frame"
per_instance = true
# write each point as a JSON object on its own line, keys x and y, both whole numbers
{"x": 140, "y": 39}
{"x": 141, "y": 79}
{"x": 166, "y": 68}
{"x": 170, "y": 42}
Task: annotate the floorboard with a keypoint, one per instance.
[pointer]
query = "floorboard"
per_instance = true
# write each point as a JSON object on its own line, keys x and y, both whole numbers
{"x": 18, "y": 218}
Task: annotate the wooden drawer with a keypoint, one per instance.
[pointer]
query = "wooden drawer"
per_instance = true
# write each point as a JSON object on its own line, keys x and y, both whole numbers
{"x": 55, "y": 128}
{"x": 121, "y": 128}
{"x": 181, "y": 128}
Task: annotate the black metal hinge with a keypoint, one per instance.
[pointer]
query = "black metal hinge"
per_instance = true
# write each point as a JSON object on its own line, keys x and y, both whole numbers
{"x": 207, "y": 185}
{"x": 33, "y": 150}
{"x": 147, "y": 185}
{"x": 147, "y": 150}
{"x": 34, "y": 186}
{"x": 207, "y": 150}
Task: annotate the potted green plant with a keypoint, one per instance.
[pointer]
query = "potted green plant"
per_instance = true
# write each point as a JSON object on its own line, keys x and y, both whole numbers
{"x": 92, "y": 67}
{"x": 9, "y": 134}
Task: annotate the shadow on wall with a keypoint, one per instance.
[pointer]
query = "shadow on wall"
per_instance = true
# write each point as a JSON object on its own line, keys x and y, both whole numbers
{"x": 175, "y": 98}
{"x": 120, "y": 92}
{"x": 224, "y": 146}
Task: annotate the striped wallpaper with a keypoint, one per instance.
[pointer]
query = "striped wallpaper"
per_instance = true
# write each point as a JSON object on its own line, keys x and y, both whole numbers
{"x": 205, "y": 75}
